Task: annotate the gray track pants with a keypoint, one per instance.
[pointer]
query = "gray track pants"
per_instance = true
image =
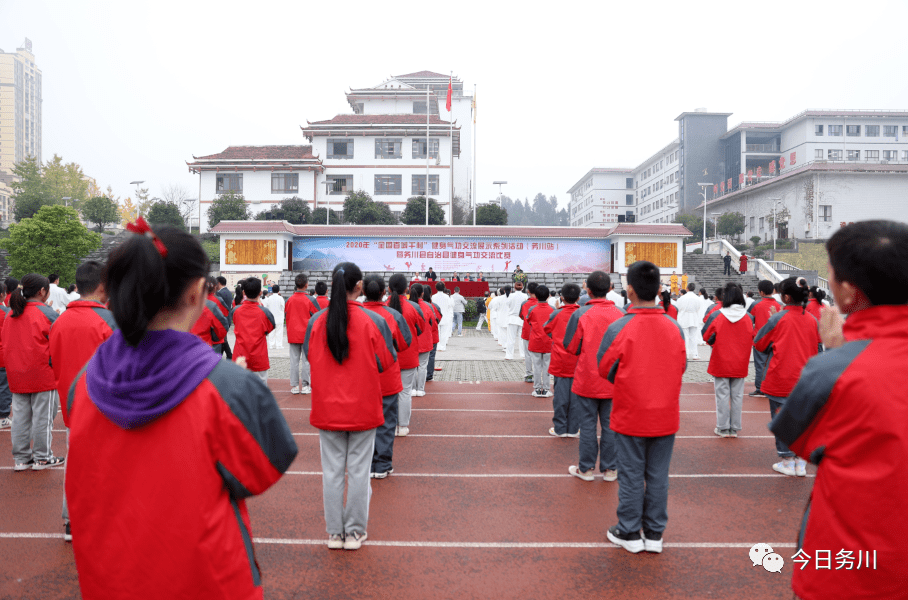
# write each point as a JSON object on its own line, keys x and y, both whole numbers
{"x": 298, "y": 363}
{"x": 404, "y": 398}
{"x": 729, "y": 399}
{"x": 33, "y": 419}
{"x": 421, "y": 373}
{"x": 540, "y": 362}
{"x": 351, "y": 451}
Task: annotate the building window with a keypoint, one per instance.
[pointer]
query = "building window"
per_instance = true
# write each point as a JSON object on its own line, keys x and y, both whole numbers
{"x": 285, "y": 182}
{"x": 854, "y": 155}
{"x": 834, "y": 155}
{"x": 388, "y": 185}
{"x": 890, "y": 154}
{"x": 835, "y": 130}
{"x": 853, "y": 130}
{"x": 340, "y": 148}
{"x": 629, "y": 183}
{"x": 818, "y": 153}
{"x": 872, "y": 154}
{"x": 761, "y": 223}
{"x": 229, "y": 183}
{"x": 825, "y": 213}
{"x": 387, "y": 148}
{"x": 752, "y": 223}
{"x": 340, "y": 184}
{"x": 905, "y": 155}
{"x": 419, "y": 147}
{"x": 890, "y": 130}
{"x": 418, "y": 186}
{"x": 629, "y": 199}
{"x": 819, "y": 130}
{"x": 872, "y": 131}
{"x": 419, "y": 108}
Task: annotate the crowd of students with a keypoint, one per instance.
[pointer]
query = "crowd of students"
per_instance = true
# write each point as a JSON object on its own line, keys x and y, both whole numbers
{"x": 135, "y": 364}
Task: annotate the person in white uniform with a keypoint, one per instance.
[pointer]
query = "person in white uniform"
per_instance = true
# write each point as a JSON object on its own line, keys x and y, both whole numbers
{"x": 443, "y": 301}
{"x": 689, "y": 319}
{"x": 58, "y": 298}
{"x": 275, "y": 303}
{"x": 515, "y": 301}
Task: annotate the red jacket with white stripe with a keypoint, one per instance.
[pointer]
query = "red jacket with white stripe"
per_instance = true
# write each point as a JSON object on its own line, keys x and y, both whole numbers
{"x": 563, "y": 362}
{"x": 426, "y": 316}
{"x": 297, "y": 310}
{"x": 76, "y": 334}
{"x": 760, "y": 309}
{"x": 211, "y": 325}
{"x": 537, "y": 316}
{"x": 524, "y": 311}
{"x": 348, "y": 396}
{"x": 408, "y": 357}
{"x": 791, "y": 337}
{"x": 251, "y": 323}
{"x": 847, "y": 414}
{"x": 26, "y": 349}
{"x": 643, "y": 355}
{"x": 400, "y": 333}
{"x": 731, "y": 345}
{"x": 582, "y": 337}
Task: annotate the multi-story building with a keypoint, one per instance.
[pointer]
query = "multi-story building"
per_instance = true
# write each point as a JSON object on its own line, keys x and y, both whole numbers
{"x": 20, "y": 108}
{"x": 601, "y": 197}
{"x": 6, "y": 204}
{"x": 657, "y": 184}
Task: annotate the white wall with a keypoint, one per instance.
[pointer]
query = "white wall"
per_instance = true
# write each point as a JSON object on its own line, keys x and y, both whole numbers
{"x": 620, "y": 240}
{"x": 599, "y": 200}
{"x": 256, "y": 190}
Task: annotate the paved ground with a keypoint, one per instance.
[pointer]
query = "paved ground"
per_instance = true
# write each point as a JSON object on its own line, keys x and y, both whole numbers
{"x": 480, "y": 506}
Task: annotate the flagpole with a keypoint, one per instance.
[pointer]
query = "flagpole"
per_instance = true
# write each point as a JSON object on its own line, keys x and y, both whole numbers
{"x": 426, "y": 191}
{"x": 451, "y": 172}
{"x": 473, "y": 184}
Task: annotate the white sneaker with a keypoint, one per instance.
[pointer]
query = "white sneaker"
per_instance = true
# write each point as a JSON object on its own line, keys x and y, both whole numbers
{"x": 295, "y": 390}
{"x": 6, "y": 423}
{"x": 552, "y": 432}
{"x": 576, "y": 472}
{"x": 801, "y": 467}
{"x": 353, "y": 541}
{"x": 402, "y": 431}
{"x": 418, "y": 393}
{"x": 336, "y": 541}
{"x": 785, "y": 467}
{"x": 652, "y": 545}
{"x": 306, "y": 390}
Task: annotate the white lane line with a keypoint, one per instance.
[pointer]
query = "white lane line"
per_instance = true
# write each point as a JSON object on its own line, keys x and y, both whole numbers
{"x": 47, "y": 469}
{"x": 507, "y": 410}
{"x": 550, "y": 475}
{"x": 547, "y": 437}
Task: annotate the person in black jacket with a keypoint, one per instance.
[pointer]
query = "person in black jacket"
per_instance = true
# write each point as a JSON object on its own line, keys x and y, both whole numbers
{"x": 727, "y": 260}
{"x": 431, "y": 275}
{"x": 481, "y": 311}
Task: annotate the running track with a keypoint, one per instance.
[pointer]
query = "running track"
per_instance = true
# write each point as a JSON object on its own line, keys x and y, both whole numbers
{"x": 480, "y": 506}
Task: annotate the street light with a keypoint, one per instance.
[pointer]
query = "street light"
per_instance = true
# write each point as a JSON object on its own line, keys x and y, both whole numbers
{"x": 716, "y": 222}
{"x": 776, "y": 202}
{"x": 704, "y": 186}
{"x": 65, "y": 198}
{"x": 499, "y": 184}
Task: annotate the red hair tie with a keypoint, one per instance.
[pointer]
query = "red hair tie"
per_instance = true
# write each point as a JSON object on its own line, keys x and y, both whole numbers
{"x": 141, "y": 227}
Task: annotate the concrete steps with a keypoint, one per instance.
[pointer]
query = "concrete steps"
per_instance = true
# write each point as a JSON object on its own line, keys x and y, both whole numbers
{"x": 706, "y": 271}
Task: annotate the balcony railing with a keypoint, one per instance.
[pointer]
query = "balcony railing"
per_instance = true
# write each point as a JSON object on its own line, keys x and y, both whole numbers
{"x": 763, "y": 148}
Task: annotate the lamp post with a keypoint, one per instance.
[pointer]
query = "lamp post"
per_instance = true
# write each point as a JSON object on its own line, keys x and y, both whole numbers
{"x": 65, "y": 198}
{"x": 327, "y": 192}
{"x": 776, "y": 202}
{"x": 716, "y": 223}
{"x": 704, "y": 186}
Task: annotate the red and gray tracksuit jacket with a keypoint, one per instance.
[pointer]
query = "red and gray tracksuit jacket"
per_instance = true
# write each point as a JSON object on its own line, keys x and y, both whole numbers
{"x": 76, "y": 334}
{"x": 400, "y": 333}
{"x": 524, "y": 311}
{"x": 582, "y": 337}
{"x": 211, "y": 325}
{"x": 563, "y": 363}
{"x": 298, "y": 309}
{"x": 26, "y": 349}
{"x": 760, "y": 309}
{"x": 251, "y": 323}
{"x": 647, "y": 392}
{"x": 847, "y": 414}
{"x": 536, "y": 318}
{"x": 791, "y": 338}
{"x": 731, "y": 344}
{"x": 426, "y": 316}
{"x": 711, "y": 309}
{"x": 408, "y": 357}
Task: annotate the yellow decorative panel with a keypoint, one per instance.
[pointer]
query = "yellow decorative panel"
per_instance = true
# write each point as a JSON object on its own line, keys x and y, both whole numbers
{"x": 250, "y": 252}
{"x": 661, "y": 254}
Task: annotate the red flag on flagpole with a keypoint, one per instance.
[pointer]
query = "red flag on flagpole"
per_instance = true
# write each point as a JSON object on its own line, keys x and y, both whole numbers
{"x": 450, "y": 91}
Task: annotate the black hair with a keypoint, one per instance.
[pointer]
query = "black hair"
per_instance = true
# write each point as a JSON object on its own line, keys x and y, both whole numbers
{"x": 301, "y": 281}
{"x": 765, "y": 286}
{"x": 732, "y": 294}
{"x": 321, "y": 288}
{"x": 542, "y": 293}
{"x": 817, "y": 294}
{"x": 398, "y": 285}
{"x": 427, "y": 294}
{"x": 644, "y": 277}
{"x": 11, "y": 284}
{"x": 570, "y": 292}
{"x": 373, "y": 287}
{"x": 750, "y": 294}
{"x": 624, "y": 295}
{"x": 88, "y": 277}
{"x": 3, "y": 289}
{"x": 53, "y": 278}
{"x": 704, "y": 293}
{"x": 238, "y": 294}
{"x": 457, "y": 290}
{"x": 222, "y": 280}
{"x": 691, "y": 287}
{"x": 777, "y": 288}
{"x": 720, "y": 292}
{"x": 440, "y": 286}
{"x": 140, "y": 282}
{"x": 252, "y": 287}
{"x": 871, "y": 256}
{"x": 32, "y": 284}
{"x": 598, "y": 284}
{"x": 507, "y": 291}
{"x": 343, "y": 281}
{"x": 789, "y": 287}
{"x": 531, "y": 287}
{"x": 666, "y": 300}
{"x": 416, "y": 292}
{"x": 275, "y": 289}
{"x": 210, "y": 284}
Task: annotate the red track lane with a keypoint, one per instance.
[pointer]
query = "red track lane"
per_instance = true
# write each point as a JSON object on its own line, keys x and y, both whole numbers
{"x": 429, "y": 501}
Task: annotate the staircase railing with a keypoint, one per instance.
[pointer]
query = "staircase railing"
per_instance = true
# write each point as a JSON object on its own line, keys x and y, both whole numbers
{"x": 761, "y": 268}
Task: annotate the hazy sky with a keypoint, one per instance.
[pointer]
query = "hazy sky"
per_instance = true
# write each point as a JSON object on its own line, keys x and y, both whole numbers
{"x": 132, "y": 90}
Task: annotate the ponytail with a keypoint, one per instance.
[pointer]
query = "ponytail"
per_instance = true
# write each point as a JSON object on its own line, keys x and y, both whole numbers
{"x": 789, "y": 287}
{"x": 416, "y": 292}
{"x": 398, "y": 285}
{"x": 374, "y": 288}
{"x": 32, "y": 284}
{"x": 666, "y": 300}
{"x": 343, "y": 280}
{"x": 140, "y": 282}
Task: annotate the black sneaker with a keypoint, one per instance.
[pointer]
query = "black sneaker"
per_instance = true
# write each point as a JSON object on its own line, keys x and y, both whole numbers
{"x": 629, "y": 541}
{"x": 53, "y": 461}
{"x": 67, "y": 533}
{"x": 652, "y": 542}
{"x": 528, "y": 379}
{"x": 757, "y": 394}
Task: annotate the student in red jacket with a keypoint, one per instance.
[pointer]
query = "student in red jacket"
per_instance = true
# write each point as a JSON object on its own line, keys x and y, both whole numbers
{"x": 525, "y": 332}
{"x": 667, "y": 306}
{"x": 646, "y": 408}
{"x": 321, "y": 291}
{"x": 426, "y": 344}
{"x": 211, "y": 326}
{"x": 409, "y": 356}
{"x": 252, "y": 323}
{"x": 847, "y": 415}
{"x": 26, "y": 351}
{"x": 391, "y": 383}
{"x": 300, "y": 307}
{"x": 584, "y": 332}
{"x": 761, "y": 310}
{"x": 565, "y": 404}
{"x": 200, "y": 435}
{"x": 348, "y": 347}
{"x": 791, "y": 338}
{"x": 715, "y": 305}
{"x": 815, "y": 302}
{"x": 539, "y": 348}
{"x": 730, "y": 332}
{"x": 436, "y": 332}
{"x": 75, "y": 336}
{"x": 6, "y": 396}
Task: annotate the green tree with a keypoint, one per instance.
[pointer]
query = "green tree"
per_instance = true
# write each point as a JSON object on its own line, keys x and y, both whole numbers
{"x": 144, "y": 201}
{"x": 491, "y": 214}
{"x": 53, "y": 241}
{"x": 100, "y": 210}
{"x": 28, "y": 189}
{"x": 731, "y": 224}
{"x": 361, "y": 209}
{"x": 65, "y": 181}
{"x": 756, "y": 240}
{"x": 293, "y": 210}
{"x": 694, "y": 223}
{"x": 461, "y": 212}
{"x": 165, "y": 213}
{"x": 228, "y": 207}
{"x": 318, "y": 217}
{"x": 564, "y": 219}
{"x": 415, "y": 212}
